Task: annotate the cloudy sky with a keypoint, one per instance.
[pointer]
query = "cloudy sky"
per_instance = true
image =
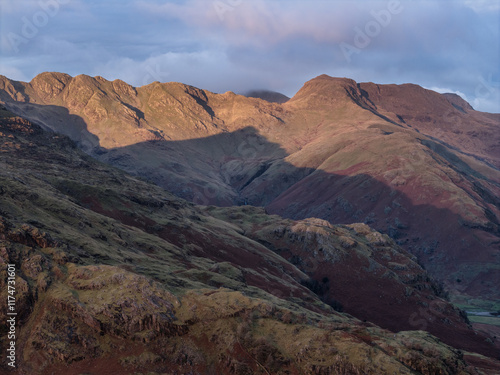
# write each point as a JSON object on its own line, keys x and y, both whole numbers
{"x": 238, "y": 45}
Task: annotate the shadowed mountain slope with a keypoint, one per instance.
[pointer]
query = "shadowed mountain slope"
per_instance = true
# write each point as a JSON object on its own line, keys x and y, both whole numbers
{"x": 417, "y": 165}
{"x": 115, "y": 275}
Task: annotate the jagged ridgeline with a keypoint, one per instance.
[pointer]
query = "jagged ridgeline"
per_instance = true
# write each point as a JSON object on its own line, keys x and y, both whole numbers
{"x": 117, "y": 275}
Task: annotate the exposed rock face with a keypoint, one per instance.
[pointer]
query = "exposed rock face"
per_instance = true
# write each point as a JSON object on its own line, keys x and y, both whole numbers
{"x": 113, "y": 274}
{"x": 419, "y": 166}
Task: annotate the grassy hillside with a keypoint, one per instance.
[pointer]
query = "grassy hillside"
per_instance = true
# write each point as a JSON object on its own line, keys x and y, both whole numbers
{"x": 115, "y": 275}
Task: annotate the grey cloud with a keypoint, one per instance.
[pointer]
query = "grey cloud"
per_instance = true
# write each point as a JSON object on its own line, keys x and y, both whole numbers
{"x": 277, "y": 44}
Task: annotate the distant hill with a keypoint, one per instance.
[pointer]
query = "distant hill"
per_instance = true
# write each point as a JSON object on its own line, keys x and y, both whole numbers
{"x": 270, "y": 96}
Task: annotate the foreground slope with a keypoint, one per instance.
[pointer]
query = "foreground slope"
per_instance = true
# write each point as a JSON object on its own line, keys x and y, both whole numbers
{"x": 419, "y": 166}
{"x": 114, "y": 275}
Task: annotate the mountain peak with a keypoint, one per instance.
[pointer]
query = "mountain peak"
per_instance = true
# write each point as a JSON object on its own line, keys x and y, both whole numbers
{"x": 324, "y": 90}
{"x": 458, "y": 102}
{"x": 63, "y": 77}
{"x": 325, "y": 78}
{"x": 50, "y": 84}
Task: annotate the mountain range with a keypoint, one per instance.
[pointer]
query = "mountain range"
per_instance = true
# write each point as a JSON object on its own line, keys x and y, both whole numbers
{"x": 136, "y": 216}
